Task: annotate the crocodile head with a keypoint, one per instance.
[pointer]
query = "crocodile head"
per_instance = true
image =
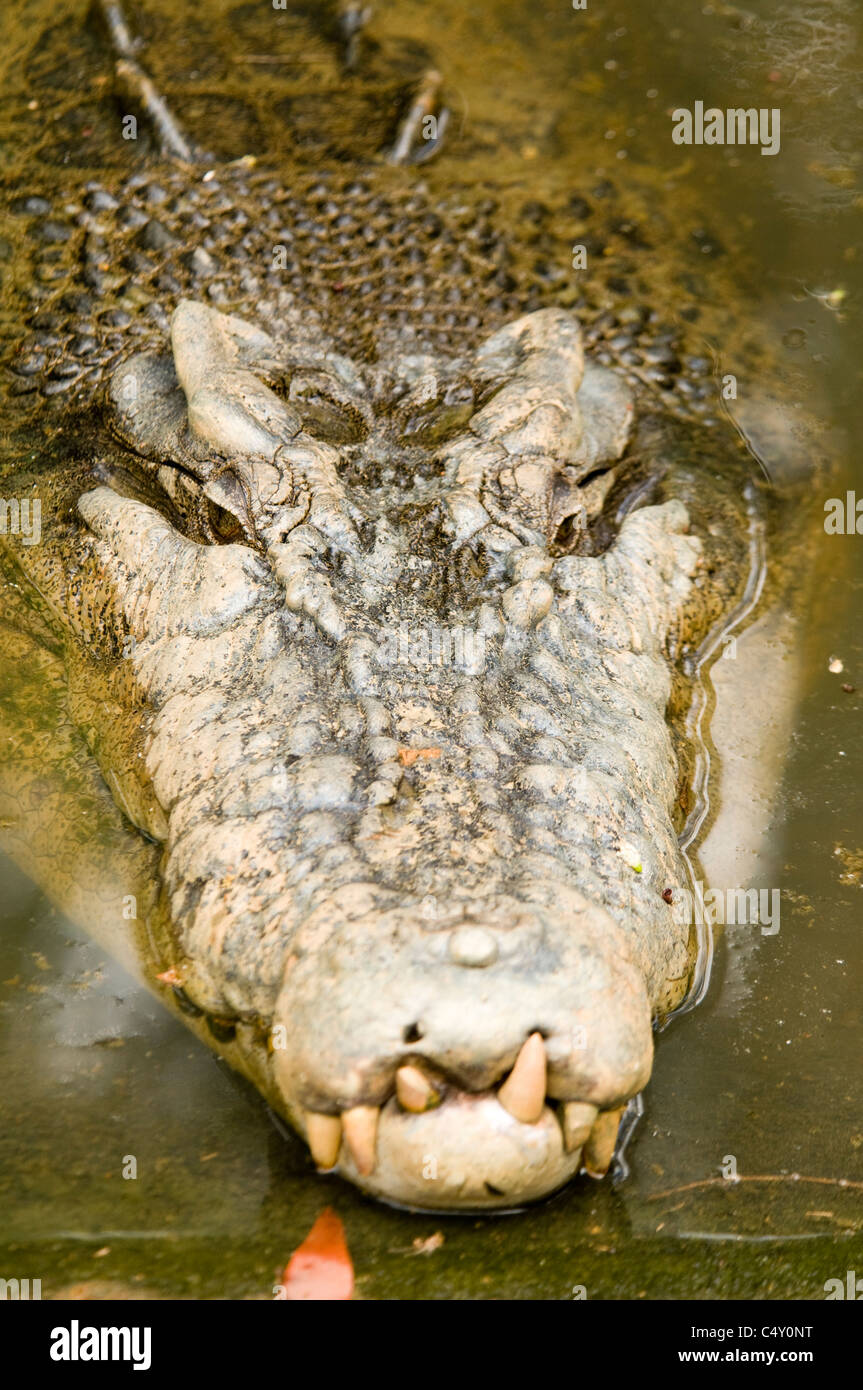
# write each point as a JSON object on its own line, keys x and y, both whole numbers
{"x": 405, "y": 749}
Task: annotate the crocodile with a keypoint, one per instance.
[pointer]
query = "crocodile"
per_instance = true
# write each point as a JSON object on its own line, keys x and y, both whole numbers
{"x": 365, "y": 617}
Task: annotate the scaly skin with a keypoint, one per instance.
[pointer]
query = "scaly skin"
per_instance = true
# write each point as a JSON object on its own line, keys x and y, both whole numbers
{"x": 358, "y": 636}
{"x": 375, "y": 863}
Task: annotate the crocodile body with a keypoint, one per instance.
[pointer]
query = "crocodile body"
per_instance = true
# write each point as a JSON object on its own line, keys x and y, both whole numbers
{"x": 374, "y": 559}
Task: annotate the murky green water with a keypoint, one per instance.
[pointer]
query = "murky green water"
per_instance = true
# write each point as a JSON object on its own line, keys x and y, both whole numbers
{"x": 767, "y": 1071}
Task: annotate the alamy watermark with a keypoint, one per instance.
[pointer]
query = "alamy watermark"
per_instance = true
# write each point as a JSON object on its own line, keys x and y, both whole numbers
{"x": 736, "y": 126}
{"x": 851, "y": 1287}
{"x": 426, "y": 648}
{"x": 19, "y": 1290}
{"x": 727, "y": 907}
{"x": 844, "y": 515}
{"x": 21, "y": 518}
{"x": 77, "y": 1343}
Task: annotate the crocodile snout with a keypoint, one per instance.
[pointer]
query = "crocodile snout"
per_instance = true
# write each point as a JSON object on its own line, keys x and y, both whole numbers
{"x": 442, "y": 880}
{"x": 475, "y": 1065}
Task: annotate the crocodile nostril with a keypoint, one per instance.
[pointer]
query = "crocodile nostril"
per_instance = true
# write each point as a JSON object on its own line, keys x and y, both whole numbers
{"x": 473, "y": 946}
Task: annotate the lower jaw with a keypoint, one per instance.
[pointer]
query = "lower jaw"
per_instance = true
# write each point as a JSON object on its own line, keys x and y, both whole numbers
{"x": 468, "y": 1154}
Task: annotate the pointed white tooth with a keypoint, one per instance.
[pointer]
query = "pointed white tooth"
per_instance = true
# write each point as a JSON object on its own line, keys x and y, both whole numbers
{"x": 577, "y": 1121}
{"x": 599, "y": 1149}
{"x": 523, "y": 1092}
{"x": 361, "y": 1127}
{"x": 415, "y": 1092}
{"x": 324, "y": 1133}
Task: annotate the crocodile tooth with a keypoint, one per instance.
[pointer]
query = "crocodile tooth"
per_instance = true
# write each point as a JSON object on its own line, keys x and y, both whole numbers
{"x": 415, "y": 1091}
{"x": 324, "y": 1133}
{"x": 599, "y": 1149}
{"x": 577, "y": 1121}
{"x": 523, "y": 1092}
{"x": 361, "y": 1126}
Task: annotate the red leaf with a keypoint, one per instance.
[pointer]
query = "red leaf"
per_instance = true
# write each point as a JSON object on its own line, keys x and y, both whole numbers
{"x": 321, "y": 1267}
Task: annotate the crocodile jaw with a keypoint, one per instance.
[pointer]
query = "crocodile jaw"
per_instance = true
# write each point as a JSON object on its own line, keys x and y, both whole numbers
{"x": 468, "y": 1051}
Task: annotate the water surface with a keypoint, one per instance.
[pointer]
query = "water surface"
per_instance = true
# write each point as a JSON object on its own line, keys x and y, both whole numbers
{"x": 767, "y": 1071}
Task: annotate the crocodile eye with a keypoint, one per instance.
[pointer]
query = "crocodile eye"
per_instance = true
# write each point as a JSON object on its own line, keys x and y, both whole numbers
{"x": 329, "y": 422}
{"x": 436, "y": 427}
{"x": 226, "y": 509}
{"x": 433, "y": 412}
{"x": 326, "y": 412}
{"x": 223, "y": 524}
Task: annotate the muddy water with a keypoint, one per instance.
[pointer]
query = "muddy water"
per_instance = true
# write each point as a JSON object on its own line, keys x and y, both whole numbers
{"x": 763, "y": 1079}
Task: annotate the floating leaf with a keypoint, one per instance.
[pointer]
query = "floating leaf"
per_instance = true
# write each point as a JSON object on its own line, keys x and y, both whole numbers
{"x": 321, "y": 1267}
